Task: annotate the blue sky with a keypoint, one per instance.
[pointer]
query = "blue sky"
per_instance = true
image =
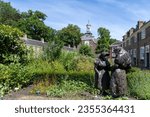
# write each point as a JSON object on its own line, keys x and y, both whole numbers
{"x": 116, "y": 15}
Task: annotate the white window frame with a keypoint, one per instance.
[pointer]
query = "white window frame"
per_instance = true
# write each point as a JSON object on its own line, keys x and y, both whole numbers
{"x": 135, "y": 38}
{"x": 134, "y": 53}
{"x": 147, "y": 49}
{"x": 142, "y": 53}
{"x": 129, "y": 41}
{"x": 143, "y": 34}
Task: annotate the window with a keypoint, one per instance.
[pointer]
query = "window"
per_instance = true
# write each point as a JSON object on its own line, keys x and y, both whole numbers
{"x": 135, "y": 38}
{"x": 124, "y": 44}
{"x": 143, "y": 34}
{"x": 147, "y": 49}
{"x": 129, "y": 41}
{"x": 134, "y": 53}
{"x": 142, "y": 53}
{"x": 131, "y": 52}
{"x": 86, "y": 43}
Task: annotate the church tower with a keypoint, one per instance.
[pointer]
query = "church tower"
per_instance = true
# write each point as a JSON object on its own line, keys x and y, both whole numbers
{"x": 88, "y": 28}
{"x": 88, "y": 38}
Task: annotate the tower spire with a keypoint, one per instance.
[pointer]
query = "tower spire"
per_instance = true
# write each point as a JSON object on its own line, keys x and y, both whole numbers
{"x": 88, "y": 28}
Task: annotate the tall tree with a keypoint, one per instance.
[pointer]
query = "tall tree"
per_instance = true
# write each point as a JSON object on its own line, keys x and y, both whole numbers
{"x": 8, "y": 14}
{"x": 103, "y": 40}
{"x": 70, "y": 35}
{"x": 112, "y": 40}
{"x": 32, "y": 23}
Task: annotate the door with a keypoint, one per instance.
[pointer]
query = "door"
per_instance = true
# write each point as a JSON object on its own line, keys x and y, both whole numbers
{"x": 147, "y": 56}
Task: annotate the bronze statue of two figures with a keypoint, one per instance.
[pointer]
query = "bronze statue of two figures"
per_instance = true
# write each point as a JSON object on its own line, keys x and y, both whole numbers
{"x": 116, "y": 83}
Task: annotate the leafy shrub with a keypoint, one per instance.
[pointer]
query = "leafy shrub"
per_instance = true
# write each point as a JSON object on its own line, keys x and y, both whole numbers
{"x": 59, "y": 84}
{"x": 20, "y": 76}
{"x": 72, "y": 61}
{"x": 4, "y": 88}
{"x": 39, "y": 66}
{"x": 11, "y": 44}
{"x": 67, "y": 87}
{"x": 42, "y": 85}
{"x": 83, "y": 63}
{"x": 67, "y": 59}
{"x": 4, "y": 72}
{"x": 139, "y": 83}
{"x": 134, "y": 69}
{"x": 86, "y": 77}
{"x": 86, "y": 50}
{"x": 14, "y": 75}
{"x": 53, "y": 49}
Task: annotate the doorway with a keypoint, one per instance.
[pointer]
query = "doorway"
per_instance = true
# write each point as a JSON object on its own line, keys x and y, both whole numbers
{"x": 147, "y": 60}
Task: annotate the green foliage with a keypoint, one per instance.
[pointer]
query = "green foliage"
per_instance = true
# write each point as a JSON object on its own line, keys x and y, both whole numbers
{"x": 4, "y": 87}
{"x": 86, "y": 50}
{"x": 83, "y": 63}
{"x": 14, "y": 75}
{"x": 8, "y": 14}
{"x": 67, "y": 59}
{"x": 103, "y": 40}
{"x": 74, "y": 62}
{"x": 4, "y": 72}
{"x": 12, "y": 47}
{"x": 112, "y": 41}
{"x": 67, "y": 87}
{"x": 70, "y": 35}
{"x": 65, "y": 83}
{"x": 44, "y": 67}
{"x": 53, "y": 50}
{"x": 139, "y": 83}
{"x": 20, "y": 76}
{"x": 42, "y": 85}
{"x": 32, "y": 23}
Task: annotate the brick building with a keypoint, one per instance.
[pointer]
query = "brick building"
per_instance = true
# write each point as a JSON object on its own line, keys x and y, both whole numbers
{"x": 88, "y": 38}
{"x": 137, "y": 42}
{"x": 39, "y": 46}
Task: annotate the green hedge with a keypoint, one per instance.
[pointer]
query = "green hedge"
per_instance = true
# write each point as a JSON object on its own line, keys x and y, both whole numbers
{"x": 57, "y": 77}
{"x": 17, "y": 75}
{"x": 59, "y": 84}
{"x": 139, "y": 83}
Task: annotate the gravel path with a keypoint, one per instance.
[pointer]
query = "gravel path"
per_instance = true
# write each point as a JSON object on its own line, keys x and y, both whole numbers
{"x": 24, "y": 94}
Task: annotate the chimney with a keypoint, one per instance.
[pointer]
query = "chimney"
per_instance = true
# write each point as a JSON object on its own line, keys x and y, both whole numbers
{"x": 123, "y": 37}
{"x": 131, "y": 31}
{"x": 140, "y": 24}
{"x": 127, "y": 34}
